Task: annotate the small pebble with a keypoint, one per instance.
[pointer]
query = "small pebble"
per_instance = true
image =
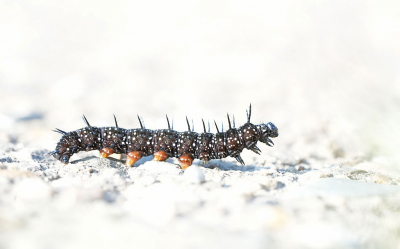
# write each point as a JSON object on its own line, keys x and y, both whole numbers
{"x": 300, "y": 168}
{"x": 194, "y": 174}
{"x": 212, "y": 166}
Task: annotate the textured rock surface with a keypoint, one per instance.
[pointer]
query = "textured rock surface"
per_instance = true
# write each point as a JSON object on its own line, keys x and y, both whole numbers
{"x": 101, "y": 203}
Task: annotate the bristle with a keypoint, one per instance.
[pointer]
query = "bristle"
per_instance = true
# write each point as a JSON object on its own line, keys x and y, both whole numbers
{"x": 229, "y": 121}
{"x": 169, "y": 127}
{"x": 270, "y": 141}
{"x": 86, "y": 121}
{"x": 256, "y": 150}
{"x": 141, "y": 125}
{"x": 115, "y": 119}
{"x": 144, "y": 125}
{"x": 248, "y": 114}
{"x": 216, "y": 126}
{"x": 60, "y": 131}
{"x": 240, "y": 160}
{"x": 187, "y": 121}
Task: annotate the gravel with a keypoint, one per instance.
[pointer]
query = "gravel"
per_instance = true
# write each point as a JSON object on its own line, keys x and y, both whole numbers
{"x": 97, "y": 202}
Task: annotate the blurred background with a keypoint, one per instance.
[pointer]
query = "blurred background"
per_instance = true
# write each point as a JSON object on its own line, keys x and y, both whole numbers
{"x": 326, "y": 72}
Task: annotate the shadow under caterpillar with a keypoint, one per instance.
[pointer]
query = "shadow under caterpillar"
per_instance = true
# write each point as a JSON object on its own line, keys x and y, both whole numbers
{"x": 165, "y": 143}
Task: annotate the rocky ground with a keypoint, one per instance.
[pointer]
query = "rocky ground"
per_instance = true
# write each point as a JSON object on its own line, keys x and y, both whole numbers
{"x": 274, "y": 201}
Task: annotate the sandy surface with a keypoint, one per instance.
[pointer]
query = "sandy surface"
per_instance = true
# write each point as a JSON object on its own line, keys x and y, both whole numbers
{"x": 326, "y": 75}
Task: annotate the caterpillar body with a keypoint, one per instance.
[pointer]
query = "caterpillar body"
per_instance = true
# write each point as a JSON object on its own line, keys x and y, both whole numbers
{"x": 165, "y": 143}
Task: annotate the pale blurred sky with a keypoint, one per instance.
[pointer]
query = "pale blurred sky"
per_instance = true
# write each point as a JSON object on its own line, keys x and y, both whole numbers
{"x": 301, "y": 63}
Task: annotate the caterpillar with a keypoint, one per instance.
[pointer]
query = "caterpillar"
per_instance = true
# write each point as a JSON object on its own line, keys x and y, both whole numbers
{"x": 165, "y": 143}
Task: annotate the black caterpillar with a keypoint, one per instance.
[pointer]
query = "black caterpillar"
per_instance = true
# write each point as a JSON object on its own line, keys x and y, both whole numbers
{"x": 166, "y": 143}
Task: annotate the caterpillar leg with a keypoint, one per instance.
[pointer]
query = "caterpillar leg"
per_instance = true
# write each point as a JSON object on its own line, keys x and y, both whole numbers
{"x": 256, "y": 150}
{"x": 133, "y": 157}
{"x": 240, "y": 160}
{"x": 105, "y": 152}
{"x": 160, "y": 156}
{"x": 186, "y": 160}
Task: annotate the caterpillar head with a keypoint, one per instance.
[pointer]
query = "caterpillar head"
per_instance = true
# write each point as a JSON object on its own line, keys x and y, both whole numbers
{"x": 67, "y": 146}
{"x": 267, "y": 130}
{"x": 61, "y": 154}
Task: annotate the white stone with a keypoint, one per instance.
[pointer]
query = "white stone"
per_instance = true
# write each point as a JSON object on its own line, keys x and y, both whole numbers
{"x": 194, "y": 174}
